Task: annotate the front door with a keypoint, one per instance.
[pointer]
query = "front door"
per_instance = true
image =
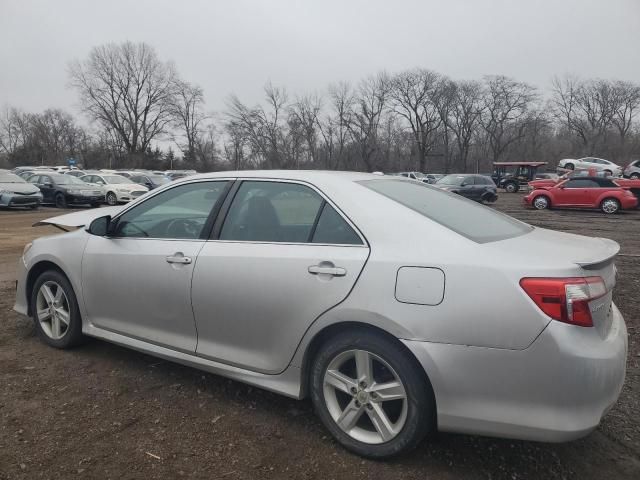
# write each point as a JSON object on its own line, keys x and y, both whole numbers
{"x": 137, "y": 280}
{"x": 283, "y": 256}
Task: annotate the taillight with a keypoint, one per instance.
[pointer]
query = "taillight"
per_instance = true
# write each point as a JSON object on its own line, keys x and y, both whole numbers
{"x": 565, "y": 299}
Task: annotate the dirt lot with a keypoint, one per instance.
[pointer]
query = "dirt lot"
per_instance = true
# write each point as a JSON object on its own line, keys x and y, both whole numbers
{"x": 101, "y": 411}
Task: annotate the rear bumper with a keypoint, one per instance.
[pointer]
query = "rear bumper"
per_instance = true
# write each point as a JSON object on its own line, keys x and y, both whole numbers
{"x": 629, "y": 203}
{"x": 558, "y": 389}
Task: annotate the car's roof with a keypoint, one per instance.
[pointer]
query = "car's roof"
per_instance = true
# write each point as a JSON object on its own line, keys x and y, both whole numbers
{"x": 304, "y": 175}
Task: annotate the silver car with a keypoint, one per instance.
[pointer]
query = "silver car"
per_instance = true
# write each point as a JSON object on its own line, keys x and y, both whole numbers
{"x": 16, "y": 192}
{"x": 599, "y": 164}
{"x": 396, "y": 307}
{"x": 632, "y": 170}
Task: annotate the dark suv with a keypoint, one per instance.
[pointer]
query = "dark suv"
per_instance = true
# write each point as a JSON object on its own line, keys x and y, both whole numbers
{"x": 475, "y": 187}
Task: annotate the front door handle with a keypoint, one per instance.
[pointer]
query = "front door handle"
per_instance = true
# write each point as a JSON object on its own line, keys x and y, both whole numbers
{"x": 327, "y": 270}
{"x": 178, "y": 257}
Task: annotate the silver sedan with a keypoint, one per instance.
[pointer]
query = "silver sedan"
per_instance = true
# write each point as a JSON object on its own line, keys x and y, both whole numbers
{"x": 399, "y": 309}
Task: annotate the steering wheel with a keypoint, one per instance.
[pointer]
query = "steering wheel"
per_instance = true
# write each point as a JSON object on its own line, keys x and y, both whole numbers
{"x": 183, "y": 227}
{"x": 132, "y": 225}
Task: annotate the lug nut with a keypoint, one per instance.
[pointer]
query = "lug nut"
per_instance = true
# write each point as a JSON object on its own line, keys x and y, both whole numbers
{"x": 358, "y": 404}
{"x": 369, "y": 406}
{"x": 354, "y": 390}
{"x": 374, "y": 395}
{"x": 363, "y": 384}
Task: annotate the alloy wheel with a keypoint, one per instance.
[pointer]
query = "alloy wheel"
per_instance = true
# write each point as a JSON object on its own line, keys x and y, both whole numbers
{"x": 365, "y": 396}
{"x": 53, "y": 310}
{"x": 541, "y": 203}
{"x": 111, "y": 198}
{"x": 610, "y": 206}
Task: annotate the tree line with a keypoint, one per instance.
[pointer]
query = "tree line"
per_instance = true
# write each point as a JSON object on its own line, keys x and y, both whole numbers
{"x": 411, "y": 120}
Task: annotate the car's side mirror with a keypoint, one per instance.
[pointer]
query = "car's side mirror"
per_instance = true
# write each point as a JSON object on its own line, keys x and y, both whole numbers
{"x": 100, "y": 226}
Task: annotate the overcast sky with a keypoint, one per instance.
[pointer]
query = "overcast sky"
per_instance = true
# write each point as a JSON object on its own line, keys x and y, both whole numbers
{"x": 237, "y": 45}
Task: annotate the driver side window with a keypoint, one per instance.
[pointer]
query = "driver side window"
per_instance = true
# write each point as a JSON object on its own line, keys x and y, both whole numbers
{"x": 177, "y": 213}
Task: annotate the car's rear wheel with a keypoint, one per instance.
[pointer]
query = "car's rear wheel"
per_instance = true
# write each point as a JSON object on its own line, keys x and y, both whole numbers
{"x": 610, "y": 205}
{"x": 112, "y": 199}
{"x": 634, "y": 176}
{"x": 371, "y": 394}
{"x": 511, "y": 187}
{"x": 541, "y": 202}
{"x": 569, "y": 166}
{"x": 61, "y": 202}
{"x": 608, "y": 173}
{"x": 55, "y": 311}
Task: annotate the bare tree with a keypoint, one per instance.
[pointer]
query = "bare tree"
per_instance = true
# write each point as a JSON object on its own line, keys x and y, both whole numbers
{"x": 13, "y": 130}
{"x": 128, "y": 90}
{"x": 464, "y": 116}
{"x": 363, "y": 119}
{"x": 625, "y": 100}
{"x": 506, "y": 103}
{"x": 187, "y": 110}
{"x": 305, "y": 112}
{"x": 413, "y": 96}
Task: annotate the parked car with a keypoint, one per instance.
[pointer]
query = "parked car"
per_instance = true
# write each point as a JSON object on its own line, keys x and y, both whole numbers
{"x": 150, "y": 181}
{"x": 286, "y": 281}
{"x": 25, "y": 174}
{"x": 16, "y": 192}
{"x": 432, "y": 177}
{"x": 64, "y": 190}
{"x": 75, "y": 173}
{"x": 583, "y": 192}
{"x": 632, "y": 170}
{"x": 474, "y": 187}
{"x": 116, "y": 188}
{"x": 512, "y": 176}
{"x": 599, "y": 164}
{"x": 412, "y": 175}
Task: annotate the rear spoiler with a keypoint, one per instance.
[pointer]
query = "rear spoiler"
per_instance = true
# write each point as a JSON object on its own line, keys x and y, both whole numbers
{"x": 612, "y": 249}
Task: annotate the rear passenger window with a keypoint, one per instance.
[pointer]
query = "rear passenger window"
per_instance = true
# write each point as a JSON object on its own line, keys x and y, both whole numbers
{"x": 272, "y": 212}
{"x": 332, "y": 228}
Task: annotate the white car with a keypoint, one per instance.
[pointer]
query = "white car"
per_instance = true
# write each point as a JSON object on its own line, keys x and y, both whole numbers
{"x": 600, "y": 164}
{"x": 117, "y": 189}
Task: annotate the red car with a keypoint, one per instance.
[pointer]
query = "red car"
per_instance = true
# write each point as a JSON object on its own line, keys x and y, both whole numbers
{"x": 583, "y": 192}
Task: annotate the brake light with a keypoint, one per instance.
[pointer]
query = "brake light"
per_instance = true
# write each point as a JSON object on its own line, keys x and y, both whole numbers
{"x": 565, "y": 299}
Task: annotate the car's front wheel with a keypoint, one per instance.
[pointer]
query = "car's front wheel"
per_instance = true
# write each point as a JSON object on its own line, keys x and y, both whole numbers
{"x": 371, "y": 394}
{"x": 55, "y": 311}
{"x": 61, "y": 202}
{"x": 112, "y": 199}
{"x": 610, "y": 205}
{"x": 541, "y": 202}
{"x": 511, "y": 187}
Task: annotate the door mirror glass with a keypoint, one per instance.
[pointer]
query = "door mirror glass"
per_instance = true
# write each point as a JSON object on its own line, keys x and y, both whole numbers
{"x": 100, "y": 226}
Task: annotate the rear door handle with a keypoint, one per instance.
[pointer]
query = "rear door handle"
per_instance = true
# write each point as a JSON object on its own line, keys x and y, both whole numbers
{"x": 327, "y": 270}
{"x": 178, "y": 257}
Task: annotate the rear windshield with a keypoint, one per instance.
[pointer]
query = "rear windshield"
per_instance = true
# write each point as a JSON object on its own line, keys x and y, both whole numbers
{"x": 472, "y": 220}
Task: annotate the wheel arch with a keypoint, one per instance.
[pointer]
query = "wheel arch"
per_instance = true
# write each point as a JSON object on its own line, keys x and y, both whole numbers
{"x": 334, "y": 329}
{"x": 35, "y": 271}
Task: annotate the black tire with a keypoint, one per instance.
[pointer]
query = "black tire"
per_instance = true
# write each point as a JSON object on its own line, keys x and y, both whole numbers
{"x": 570, "y": 166}
{"x": 610, "y": 206}
{"x": 111, "y": 199}
{"x": 511, "y": 187}
{"x": 61, "y": 202}
{"x": 421, "y": 409}
{"x": 73, "y": 335}
{"x": 540, "y": 205}
{"x": 488, "y": 197}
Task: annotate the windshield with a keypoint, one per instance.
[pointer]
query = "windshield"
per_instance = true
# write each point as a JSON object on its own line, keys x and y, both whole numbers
{"x": 159, "y": 179}
{"x": 66, "y": 180}
{"x": 6, "y": 177}
{"x": 472, "y": 220}
{"x": 452, "y": 180}
{"x": 116, "y": 179}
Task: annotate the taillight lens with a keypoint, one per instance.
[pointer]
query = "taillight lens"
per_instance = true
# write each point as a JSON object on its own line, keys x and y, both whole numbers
{"x": 565, "y": 299}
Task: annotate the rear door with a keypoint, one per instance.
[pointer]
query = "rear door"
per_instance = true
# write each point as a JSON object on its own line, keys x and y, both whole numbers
{"x": 281, "y": 257}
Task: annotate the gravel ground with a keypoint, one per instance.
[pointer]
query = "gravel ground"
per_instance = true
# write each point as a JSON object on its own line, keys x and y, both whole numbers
{"x": 101, "y": 411}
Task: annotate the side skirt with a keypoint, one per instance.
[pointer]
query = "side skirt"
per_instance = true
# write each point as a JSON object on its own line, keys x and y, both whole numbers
{"x": 287, "y": 383}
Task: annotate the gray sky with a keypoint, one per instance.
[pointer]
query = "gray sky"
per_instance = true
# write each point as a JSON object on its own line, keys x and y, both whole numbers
{"x": 236, "y": 46}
